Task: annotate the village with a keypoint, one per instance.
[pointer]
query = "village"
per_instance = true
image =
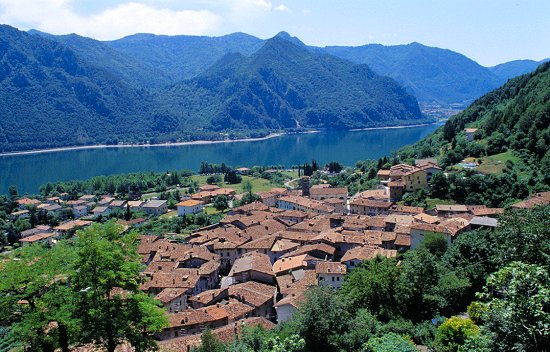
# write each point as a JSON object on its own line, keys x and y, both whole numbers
{"x": 255, "y": 265}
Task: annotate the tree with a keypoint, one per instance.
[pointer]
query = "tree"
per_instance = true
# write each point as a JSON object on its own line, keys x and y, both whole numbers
{"x": 34, "y": 293}
{"x": 371, "y": 286}
{"x": 334, "y": 167}
{"x": 321, "y": 319}
{"x": 435, "y": 243}
{"x": 517, "y": 307}
{"x": 439, "y": 185}
{"x": 390, "y": 342}
{"x": 209, "y": 343}
{"x": 107, "y": 279}
{"x": 220, "y": 202}
{"x": 454, "y": 332}
{"x": 232, "y": 177}
{"x": 12, "y": 192}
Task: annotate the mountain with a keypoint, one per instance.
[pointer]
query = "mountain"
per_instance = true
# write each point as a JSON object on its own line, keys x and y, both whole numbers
{"x": 515, "y": 68}
{"x": 513, "y": 122}
{"x": 182, "y": 57}
{"x": 103, "y": 56}
{"x": 284, "y": 85}
{"x": 431, "y": 74}
{"x": 68, "y": 90}
{"x": 49, "y": 96}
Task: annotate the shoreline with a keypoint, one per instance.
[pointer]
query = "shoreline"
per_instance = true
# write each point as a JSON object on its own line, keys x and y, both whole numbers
{"x": 199, "y": 142}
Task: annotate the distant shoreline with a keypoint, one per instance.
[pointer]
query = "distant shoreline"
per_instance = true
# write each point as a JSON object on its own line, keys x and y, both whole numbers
{"x": 199, "y": 142}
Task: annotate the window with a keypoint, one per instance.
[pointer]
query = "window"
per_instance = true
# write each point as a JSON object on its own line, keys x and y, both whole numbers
{"x": 333, "y": 279}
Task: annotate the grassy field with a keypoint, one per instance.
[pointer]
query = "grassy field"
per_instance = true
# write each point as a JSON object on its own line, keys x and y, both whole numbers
{"x": 495, "y": 164}
{"x": 258, "y": 184}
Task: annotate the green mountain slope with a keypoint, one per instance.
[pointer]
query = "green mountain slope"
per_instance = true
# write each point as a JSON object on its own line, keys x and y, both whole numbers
{"x": 431, "y": 74}
{"x": 51, "y": 97}
{"x": 104, "y": 57}
{"x": 182, "y": 57}
{"x": 513, "y": 137}
{"x": 284, "y": 85}
{"x": 74, "y": 91}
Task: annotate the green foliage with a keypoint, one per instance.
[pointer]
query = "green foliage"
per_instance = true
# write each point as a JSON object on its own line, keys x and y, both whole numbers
{"x": 221, "y": 202}
{"x": 435, "y": 243}
{"x": 321, "y": 319}
{"x": 454, "y": 332}
{"x": 209, "y": 343}
{"x": 390, "y": 342}
{"x": 371, "y": 286}
{"x": 88, "y": 287}
{"x": 517, "y": 307}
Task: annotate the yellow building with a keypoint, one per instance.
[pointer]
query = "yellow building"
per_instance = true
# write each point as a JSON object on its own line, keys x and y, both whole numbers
{"x": 415, "y": 180}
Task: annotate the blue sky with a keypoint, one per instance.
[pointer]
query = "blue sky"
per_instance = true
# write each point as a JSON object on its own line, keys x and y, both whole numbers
{"x": 489, "y": 32}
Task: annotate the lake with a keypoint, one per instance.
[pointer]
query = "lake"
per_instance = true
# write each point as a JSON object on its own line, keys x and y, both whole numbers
{"x": 28, "y": 172}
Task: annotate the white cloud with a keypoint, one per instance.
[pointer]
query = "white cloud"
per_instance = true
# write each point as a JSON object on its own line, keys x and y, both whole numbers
{"x": 57, "y": 17}
{"x": 282, "y": 8}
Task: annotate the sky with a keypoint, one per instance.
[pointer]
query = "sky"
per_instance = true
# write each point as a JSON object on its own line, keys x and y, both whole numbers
{"x": 488, "y": 31}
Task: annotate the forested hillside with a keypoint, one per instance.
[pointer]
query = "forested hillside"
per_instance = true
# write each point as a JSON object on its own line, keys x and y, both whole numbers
{"x": 77, "y": 91}
{"x": 515, "y": 68}
{"x": 284, "y": 85}
{"x": 431, "y": 74}
{"x": 510, "y": 149}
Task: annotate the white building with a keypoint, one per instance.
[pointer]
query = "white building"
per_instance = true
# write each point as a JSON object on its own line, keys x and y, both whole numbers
{"x": 190, "y": 206}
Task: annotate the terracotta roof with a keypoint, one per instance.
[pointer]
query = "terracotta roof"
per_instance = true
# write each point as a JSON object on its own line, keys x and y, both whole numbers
{"x": 189, "y": 203}
{"x": 252, "y": 293}
{"x": 330, "y": 268}
{"x": 328, "y": 190}
{"x": 371, "y": 203}
{"x": 406, "y": 209}
{"x": 403, "y": 240}
{"x": 283, "y": 245}
{"x": 366, "y": 253}
{"x": 451, "y": 208}
{"x": 321, "y": 247}
{"x": 169, "y": 294}
{"x": 253, "y": 261}
{"x": 285, "y": 264}
{"x": 308, "y": 203}
{"x": 487, "y": 211}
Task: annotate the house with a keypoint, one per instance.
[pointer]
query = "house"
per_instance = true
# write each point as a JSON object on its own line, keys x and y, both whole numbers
{"x": 356, "y": 255}
{"x": 304, "y": 204}
{"x": 415, "y": 179}
{"x": 470, "y": 133}
{"x": 330, "y": 274}
{"x": 70, "y": 226}
{"x": 322, "y": 193}
{"x": 21, "y": 214}
{"x": 173, "y": 299}
{"x": 190, "y": 206}
{"x": 369, "y": 207}
{"x": 252, "y": 266}
{"x": 243, "y": 171}
{"x": 397, "y": 189}
{"x": 118, "y": 204}
{"x": 101, "y": 211}
{"x": 135, "y": 205}
{"x": 26, "y": 202}
{"x": 80, "y": 211}
{"x": 155, "y": 207}
{"x": 450, "y": 209}
{"x": 270, "y": 198}
{"x": 383, "y": 175}
{"x": 257, "y": 295}
{"x": 42, "y": 237}
{"x": 542, "y": 198}
{"x": 192, "y": 321}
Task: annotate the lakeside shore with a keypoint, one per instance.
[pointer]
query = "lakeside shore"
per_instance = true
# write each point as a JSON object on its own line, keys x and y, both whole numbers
{"x": 198, "y": 142}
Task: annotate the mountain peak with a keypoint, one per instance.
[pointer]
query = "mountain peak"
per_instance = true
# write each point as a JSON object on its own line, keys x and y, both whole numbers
{"x": 286, "y": 36}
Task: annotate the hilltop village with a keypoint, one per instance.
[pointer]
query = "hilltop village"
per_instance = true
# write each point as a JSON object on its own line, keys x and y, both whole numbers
{"x": 254, "y": 265}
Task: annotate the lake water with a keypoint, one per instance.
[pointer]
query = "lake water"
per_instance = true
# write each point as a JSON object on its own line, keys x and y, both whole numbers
{"x": 28, "y": 172}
